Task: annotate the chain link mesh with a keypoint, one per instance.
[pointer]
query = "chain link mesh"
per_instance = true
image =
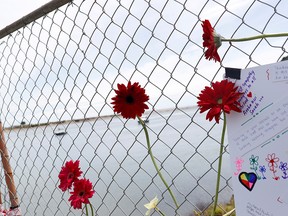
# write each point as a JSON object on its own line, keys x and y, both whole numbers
{"x": 60, "y": 71}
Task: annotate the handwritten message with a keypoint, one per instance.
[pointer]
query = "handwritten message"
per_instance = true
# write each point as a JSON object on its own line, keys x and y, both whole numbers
{"x": 254, "y": 210}
{"x": 258, "y": 141}
{"x": 271, "y": 118}
{"x": 280, "y": 73}
{"x": 249, "y": 102}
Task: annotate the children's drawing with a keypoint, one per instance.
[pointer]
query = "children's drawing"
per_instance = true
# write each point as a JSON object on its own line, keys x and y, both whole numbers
{"x": 238, "y": 162}
{"x": 262, "y": 169}
{"x": 258, "y": 136}
{"x": 272, "y": 164}
{"x": 283, "y": 167}
{"x": 249, "y": 95}
{"x": 248, "y": 180}
{"x": 254, "y": 162}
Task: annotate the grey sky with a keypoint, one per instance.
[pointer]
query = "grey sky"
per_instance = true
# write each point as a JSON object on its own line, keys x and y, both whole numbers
{"x": 67, "y": 69}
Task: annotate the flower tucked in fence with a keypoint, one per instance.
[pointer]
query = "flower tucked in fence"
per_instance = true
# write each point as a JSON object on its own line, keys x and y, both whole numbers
{"x": 211, "y": 40}
{"x": 153, "y": 205}
{"x": 222, "y": 96}
{"x": 83, "y": 188}
{"x": 130, "y": 100}
{"x": 69, "y": 174}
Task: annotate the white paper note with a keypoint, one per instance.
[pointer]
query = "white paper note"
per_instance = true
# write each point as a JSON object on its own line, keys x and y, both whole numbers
{"x": 258, "y": 142}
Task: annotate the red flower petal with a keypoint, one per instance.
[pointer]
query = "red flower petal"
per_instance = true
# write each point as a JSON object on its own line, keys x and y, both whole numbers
{"x": 83, "y": 191}
{"x": 221, "y": 96}
{"x": 68, "y": 174}
{"x": 130, "y": 101}
{"x": 209, "y": 41}
{"x": 214, "y": 112}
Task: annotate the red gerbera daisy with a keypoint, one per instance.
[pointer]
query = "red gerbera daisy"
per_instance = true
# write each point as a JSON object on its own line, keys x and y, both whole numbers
{"x": 130, "y": 100}
{"x": 221, "y": 96}
{"x": 211, "y": 40}
{"x": 81, "y": 194}
{"x": 68, "y": 174}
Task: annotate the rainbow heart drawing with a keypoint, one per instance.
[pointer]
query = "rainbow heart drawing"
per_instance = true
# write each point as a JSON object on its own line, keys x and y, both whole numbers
{"x": 248, "y": 180}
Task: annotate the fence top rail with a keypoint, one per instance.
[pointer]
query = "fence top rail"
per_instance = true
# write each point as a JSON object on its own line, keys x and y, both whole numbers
{"x": 34, "y": 15}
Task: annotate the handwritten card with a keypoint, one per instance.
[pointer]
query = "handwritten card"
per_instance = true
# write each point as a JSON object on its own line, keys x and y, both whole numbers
{"x": 258, "y": 142}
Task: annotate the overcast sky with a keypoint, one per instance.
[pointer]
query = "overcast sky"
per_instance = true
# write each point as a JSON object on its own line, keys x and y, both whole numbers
{"x": 12, "y": 10}
{"x": 68, "y": 69}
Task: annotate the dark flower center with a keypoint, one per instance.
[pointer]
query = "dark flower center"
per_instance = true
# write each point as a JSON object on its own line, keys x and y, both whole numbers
{"x": 81, "y": 193}
{"x": 129, "y": 99}
{"x": 71, "y": 175}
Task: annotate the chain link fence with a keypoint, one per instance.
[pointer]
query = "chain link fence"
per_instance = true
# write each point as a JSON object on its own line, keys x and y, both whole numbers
{"x": 59, "y": 71}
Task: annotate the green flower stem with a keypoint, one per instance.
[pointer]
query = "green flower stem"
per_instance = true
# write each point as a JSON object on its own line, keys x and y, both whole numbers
{"x": 154, "y": 162}
{"x": 86, "y": 208}
{"x": 219, "y": 165}
{"x": 255, "y": 37}
{"x": 159, "y": 212}
{"x": 91, "y": 207}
